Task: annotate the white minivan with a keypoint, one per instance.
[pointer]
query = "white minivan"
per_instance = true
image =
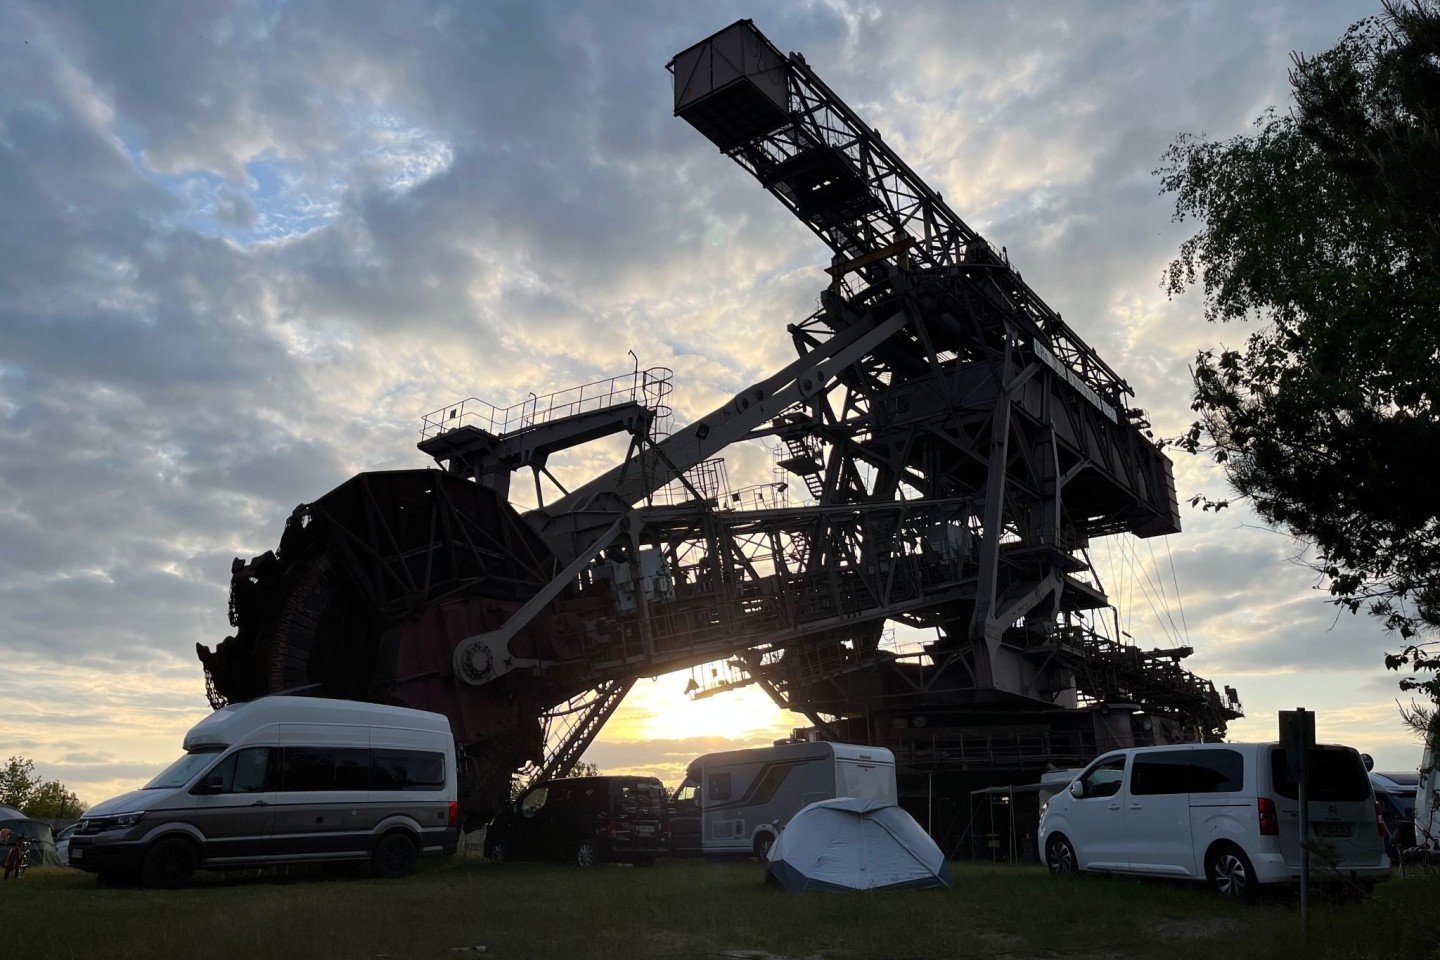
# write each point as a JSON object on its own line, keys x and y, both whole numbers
{"x": 279, "y": 780}
{"x": 1223, "y": 812}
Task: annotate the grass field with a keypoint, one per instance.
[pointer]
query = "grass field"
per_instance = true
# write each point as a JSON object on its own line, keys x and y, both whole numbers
{"x": 687, "y": 909}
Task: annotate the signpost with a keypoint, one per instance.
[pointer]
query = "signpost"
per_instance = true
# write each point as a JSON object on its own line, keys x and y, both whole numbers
{"x": 1297, "y": 736}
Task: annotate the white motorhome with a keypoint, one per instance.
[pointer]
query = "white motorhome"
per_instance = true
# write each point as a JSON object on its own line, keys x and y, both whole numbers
{"x": 1427, "y": 798}
{"x": 735, "y": 802}
{"x": 280, "y": 780}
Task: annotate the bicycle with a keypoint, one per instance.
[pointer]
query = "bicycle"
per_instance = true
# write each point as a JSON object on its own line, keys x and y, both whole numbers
{"x": 17, "y": 858}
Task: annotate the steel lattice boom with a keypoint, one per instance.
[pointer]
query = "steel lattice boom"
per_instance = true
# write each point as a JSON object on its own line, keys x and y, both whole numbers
{"x": 961, "y": 447}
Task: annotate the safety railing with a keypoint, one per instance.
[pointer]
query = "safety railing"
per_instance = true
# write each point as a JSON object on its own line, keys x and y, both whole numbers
{"x": 650, "y": 388}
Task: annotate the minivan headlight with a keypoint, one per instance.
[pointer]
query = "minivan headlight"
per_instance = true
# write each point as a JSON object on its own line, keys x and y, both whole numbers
{"x": 126, "y": 819}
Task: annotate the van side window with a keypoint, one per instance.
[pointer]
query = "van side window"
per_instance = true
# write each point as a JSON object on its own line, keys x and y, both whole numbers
{"x": 324, "y": 768}
{"x": 246, "y": 771}
{"x": 718, "y": 786}
{"x": 1104, "y": 779}
{"x": 534, "y": 800}
{"x": 1216, "y": 771}
{"x": 1161, "y": 772}
{"x": 406, "y": 770}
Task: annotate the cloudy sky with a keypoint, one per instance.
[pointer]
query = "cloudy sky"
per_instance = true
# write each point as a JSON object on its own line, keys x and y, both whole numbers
{"x": 246, "y": 245}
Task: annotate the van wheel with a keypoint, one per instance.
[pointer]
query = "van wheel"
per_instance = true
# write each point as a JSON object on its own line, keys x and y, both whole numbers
{"x": 169, "y": 864}
{"x": 586, "y": 855}
{"x": 1059, "y": 855}
{"x": 762, "y": 845}
{"x": 394, "y": 856}
{"x": 1230, "y": 872}
{"x": 499, "y": 853}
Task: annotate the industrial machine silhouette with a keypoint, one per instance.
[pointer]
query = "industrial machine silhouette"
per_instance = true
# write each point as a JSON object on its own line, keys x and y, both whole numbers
{"x": 959, "y": 447}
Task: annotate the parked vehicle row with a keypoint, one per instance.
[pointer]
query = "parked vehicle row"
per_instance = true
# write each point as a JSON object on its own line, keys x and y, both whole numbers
{"x": 284, "y": 780}
{"x": 1227, "y": 813}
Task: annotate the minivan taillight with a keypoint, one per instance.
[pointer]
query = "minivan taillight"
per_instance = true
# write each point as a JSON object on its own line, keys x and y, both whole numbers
{"x": 1380, "y": 821}
{"x": 610, "y": 829}
{"x": 453, "y": 814}
{"x": 1269, "y": 822}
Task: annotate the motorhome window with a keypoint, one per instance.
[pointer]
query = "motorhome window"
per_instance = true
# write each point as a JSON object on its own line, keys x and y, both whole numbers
{"x": 184, "y": 769}
{"x": 407, "y": 770}
{"x": 1103, "y": 779}
{"x": 770, "y": 781}
{"x": 1159, "y": 773}
{"x": 1336, "y": 776}
{"x": 686, "y": 793}
{"x": 1216, "y": 771}
{"x": 245, "y": 771}
{"x": 864, "y": 781}
{"x": 717, "y": 786}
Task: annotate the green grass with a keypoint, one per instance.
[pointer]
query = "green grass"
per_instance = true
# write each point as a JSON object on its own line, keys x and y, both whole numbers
{"x": 687, "y": 909}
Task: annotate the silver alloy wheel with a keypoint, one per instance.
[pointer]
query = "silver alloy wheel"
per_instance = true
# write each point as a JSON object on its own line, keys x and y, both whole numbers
{"x": 585, "y": 854}
{"x": 1230, "y": 875}
{"x": 1060, "y": 856}
{"x": 499, "y": 853}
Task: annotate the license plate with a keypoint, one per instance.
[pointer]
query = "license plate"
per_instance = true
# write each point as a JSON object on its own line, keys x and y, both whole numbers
{"x": 644, "y": 829}
{"x": 1337, "y": 830}
{"x": 76, "y": 854}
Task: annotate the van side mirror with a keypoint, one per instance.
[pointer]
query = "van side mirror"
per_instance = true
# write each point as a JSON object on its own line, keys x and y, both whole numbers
{"x": 1077, "y": 789}
{"x": 212, "y": 784}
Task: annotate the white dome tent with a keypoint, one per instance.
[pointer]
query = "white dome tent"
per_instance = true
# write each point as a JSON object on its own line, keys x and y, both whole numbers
{"x": 850, "y": 844}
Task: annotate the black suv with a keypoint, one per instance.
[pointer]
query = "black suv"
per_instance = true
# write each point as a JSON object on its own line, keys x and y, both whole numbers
{"x": 583, "y": 820}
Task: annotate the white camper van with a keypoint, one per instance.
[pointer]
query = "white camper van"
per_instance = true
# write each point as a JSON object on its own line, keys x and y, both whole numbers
{"x": 283, "y": 780}
{"x": 735, "y": 802}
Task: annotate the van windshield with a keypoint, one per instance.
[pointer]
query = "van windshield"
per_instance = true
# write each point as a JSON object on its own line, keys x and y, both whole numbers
{"x": 182, "y": 771}
{"x": 1335, "y": 776}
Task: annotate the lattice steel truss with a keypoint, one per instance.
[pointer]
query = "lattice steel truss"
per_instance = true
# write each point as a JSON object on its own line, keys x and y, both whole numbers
{"x": 959, "y": 443}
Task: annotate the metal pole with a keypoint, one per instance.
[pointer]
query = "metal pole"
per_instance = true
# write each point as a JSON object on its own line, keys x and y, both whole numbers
{"x": 1304, "y": 796}
{"x": 930, "y": 803}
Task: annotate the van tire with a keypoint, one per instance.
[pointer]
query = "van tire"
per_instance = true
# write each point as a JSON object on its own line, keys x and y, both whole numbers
{"x": 169, "y": 864}
{"x": 1230, "y": 873}
{"x": 499, "y": 853}
{"x": 586, "y": 855}
{"x": 394, "y": 856}
{"x": 761, "y": 846}
{"x": 1060, "y": 855}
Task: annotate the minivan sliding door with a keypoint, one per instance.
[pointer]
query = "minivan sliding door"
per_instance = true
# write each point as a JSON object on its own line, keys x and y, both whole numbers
{"x": 1157, "y": 814}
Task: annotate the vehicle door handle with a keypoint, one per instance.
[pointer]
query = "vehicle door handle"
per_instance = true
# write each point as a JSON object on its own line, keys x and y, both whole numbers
{"x": 1135, "y": 806}
{"x": 260, "y": 803}
{"x": 1114, "y": 806}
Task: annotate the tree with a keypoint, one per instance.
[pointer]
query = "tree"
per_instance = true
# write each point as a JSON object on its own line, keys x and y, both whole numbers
{"x": 22, "y": 788}
{"x": 18, "y": 783}
{"x": 582, "y": 768}
{"x": 51, "y": 801}
{"x": 1323, "y": 226}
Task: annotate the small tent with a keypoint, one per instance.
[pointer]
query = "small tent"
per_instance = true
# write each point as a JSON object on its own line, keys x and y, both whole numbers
{"x": 41, "y": 837}
{"x": 850, "y": 844}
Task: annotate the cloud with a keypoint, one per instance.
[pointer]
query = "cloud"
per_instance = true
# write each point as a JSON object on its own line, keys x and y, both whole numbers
{"x": 247, "y": 245}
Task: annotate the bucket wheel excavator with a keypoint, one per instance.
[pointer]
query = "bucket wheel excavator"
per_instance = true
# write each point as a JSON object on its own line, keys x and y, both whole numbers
{"x": 950, "y": 448}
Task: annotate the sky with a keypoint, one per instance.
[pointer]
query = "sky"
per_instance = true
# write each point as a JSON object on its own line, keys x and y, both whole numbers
{"x": 247, "y": 244}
